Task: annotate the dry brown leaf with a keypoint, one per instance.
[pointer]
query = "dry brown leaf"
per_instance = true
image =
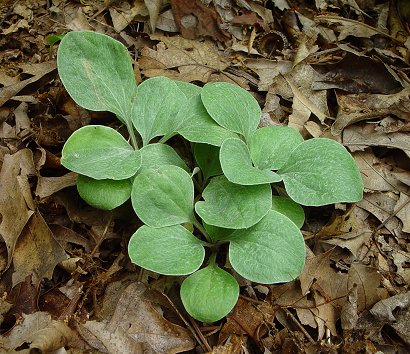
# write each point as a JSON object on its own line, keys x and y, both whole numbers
{"x": 267, "y": 70}
{"x": 47, "y": 186}
{"x": 383, "y": 310}
{"x": 137, "y": 327}
{"x": 15, "y": 197}
{"x": 154, "y": 7}
{"x": 191, "y": 60}
{"x": 402, "y": 211}
{"x": 349, "y": 315}
{"x": 124, "y": 14}
{"x": 36, "y": 252}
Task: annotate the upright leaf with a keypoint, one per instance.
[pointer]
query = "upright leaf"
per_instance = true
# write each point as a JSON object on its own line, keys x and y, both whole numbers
{"x": 155, "y": 107}
{"x": 233, "y": 206}
{"x": 163, "y": 196}
{"x": 271, "y": 146}
{"x": 272, "y": 251}
{"x": 289, "y": 208}
{"x": 237, "y": 165}
{"x": 170, "y": 250}
{"x": 105, "y": 194}
{"x": 232, "y": 107}
{"x": 207, "y": 158}
{"x": 96, "y": 70}
{"x": 156, "y": 155}
{"x": 101, "y": 153}
{"x": 320, "y": 171}
{"x": 209, "y": 294}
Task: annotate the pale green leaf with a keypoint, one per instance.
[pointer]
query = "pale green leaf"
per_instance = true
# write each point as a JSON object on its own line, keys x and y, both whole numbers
{"x": 101, "y": 153}
{"x": 155, "y": 107}
{"x": 217, "y": 233}
{"x": 198, "y": 126}
{"x": 207, "y": 158}
{"x": 271, "y": 146}
{"x": 290, "y": 209}
{"x": 209, "y": 294}
{"x": 156, "y": 155}
{"x": 321, "y": 171}
{"x": 105, "y": 194}
{"x": 233, "y": 206}
{"x": 163, "y": 196}
{"x": 96, "y": 70}
{"x": 188, "y": 89}
{"x": 272, "y": 251}
{"x": 170, "y": 250}
{"x": 232, "y": 107}
{"x": 237, "y": 165}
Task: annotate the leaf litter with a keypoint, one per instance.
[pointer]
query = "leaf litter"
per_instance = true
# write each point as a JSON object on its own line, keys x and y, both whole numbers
{"x": 328, "y": 69}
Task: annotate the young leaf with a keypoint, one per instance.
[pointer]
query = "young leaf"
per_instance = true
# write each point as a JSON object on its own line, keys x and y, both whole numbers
{"x": 155, "y": 107}
{"x": 290, "y": 209}
{"x": 163, "y": 196}
{"x": 105, "y": 194}
{"x": 320, "y": 171}
{"x": 209, "y": 294}
{"x": 231, "y": 107}
{"x": 198, "y": 126}
{"x": 96, "y": 70}
{"x": 101, "y": 153}
{"x": 271, "y": 146}
{"x": 170, "y": 250}
{"x": 156, "y": 155}
{"x": 272, "y": 251}
{"x": 233, "y": 206}
{"x": 237, "y": 165}
{"x": 207, "y": 158}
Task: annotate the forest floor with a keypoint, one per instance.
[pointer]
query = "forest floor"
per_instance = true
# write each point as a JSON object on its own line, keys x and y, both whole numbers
{"x": 328, "y": 68}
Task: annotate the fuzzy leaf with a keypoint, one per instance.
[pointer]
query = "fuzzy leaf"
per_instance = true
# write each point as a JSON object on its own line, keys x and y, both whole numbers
{"x": 209, "y": 294}
{"x": 101, "y": 153}
{"x": 232, "y": 107}
{"x": 290, "y": 209}
{"x": 207, "y": 158}
{"x": 156, "y": 155}
{"x": 237, "y": 165}
{"x": 105, "y": 194}
{"x": 155, "y": 107}
{"x": 96, "y": 70}
{"x": 272, "y": 251}
{"x": 170, "y": 250}
{"x": 271, "y": 146}
{"x": 163, "y": 196}
{"x": 188, "y": 89}
{"x": 320, "y": 171}
{"x": 233, "y": 206}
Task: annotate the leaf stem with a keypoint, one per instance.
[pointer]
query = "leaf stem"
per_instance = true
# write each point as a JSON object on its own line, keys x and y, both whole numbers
{"x": 131, "y": 133}
{"x": 201, "y": 229}
{"x": 165, "y": 138}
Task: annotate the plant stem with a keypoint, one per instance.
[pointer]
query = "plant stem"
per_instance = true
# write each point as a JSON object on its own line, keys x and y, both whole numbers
{"x": 131, "y": 133}
{"x": 201, "y": 229}
{"x": 165, "y": 138}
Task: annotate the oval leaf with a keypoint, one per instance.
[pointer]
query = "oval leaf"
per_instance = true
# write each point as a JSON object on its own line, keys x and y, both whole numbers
{"x": 96, "y": 70}
{"x": 188, "y": 89}
{"x": 198, "y": 126}
{"x": 233, "y": 206}
{"x": 207, "y": 158}
{"x": 105, "y": 194}
{"x": 237, "y": 165}
{"x": 156, "y": 155}
{"x": 232, "y": 107}
{"x": 171, "y": 250}
{"x": 209, "y": 294}
{"x": 271, "y": 146}
{"x": 101, "y": 153}
{"x": 163, "y": 196}
{"x": 290, "y": 209}
{"x": 155, "y": 107}
{"x": 272, "y": 251}
{"x": 321, "y": 171}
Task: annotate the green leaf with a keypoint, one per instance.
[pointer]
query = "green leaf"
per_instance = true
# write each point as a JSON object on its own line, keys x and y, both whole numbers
{"x": 105, "y": 194}
{"x": 96, "y": 70}
{"x": 209, "y": 294}
{"x": 101, "y": 153}
{"x": 271, "y": 146}
{"x": 163, "y": 196}
{"x": 217, "y": 233}
{"x": 207, "y": 158}
{"x": 320, "y": 171}
{"x": 237, "y": 165}
{"x": 233, "y": 206}
{"x": 156, "y": 106}
{"x": 156, "y": 155}
{"x": 189, "y": 90}
{"x": 198, "y": 126}
{"x": 272, "y": 251}
{"x": 170, "y": 250}
{"x": 232, "y": 107}
{"x": 290, "y": 209}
